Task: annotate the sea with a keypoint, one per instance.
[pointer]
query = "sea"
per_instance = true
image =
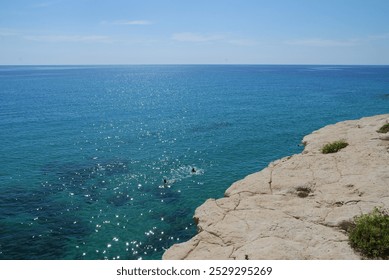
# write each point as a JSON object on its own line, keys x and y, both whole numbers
{"x": 110, "y": 162}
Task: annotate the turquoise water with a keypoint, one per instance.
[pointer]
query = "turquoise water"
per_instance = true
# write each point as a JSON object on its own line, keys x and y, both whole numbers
{"x": 84, "y": 149}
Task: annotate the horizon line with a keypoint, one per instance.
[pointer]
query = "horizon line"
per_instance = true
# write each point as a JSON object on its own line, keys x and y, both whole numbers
{"x": 197, "y": 64}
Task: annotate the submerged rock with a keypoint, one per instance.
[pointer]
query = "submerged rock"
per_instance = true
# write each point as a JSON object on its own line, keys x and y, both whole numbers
{"x": 298, "y": 206}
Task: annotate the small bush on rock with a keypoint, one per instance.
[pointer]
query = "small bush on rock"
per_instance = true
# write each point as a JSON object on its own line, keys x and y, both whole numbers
{"x": 370, "y": 235}
{"x": 334, "y": 147}
{"x": 384, "y": 128}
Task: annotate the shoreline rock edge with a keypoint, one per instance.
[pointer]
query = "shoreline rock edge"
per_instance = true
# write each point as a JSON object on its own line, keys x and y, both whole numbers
{"x": 299, "y": 206}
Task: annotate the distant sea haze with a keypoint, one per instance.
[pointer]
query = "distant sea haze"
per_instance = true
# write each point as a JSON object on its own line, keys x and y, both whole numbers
{"x": 110, "y": 162}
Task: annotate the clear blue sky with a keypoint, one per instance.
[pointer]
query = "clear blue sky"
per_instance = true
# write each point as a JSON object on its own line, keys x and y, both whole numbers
{"x": 194, "y": 31}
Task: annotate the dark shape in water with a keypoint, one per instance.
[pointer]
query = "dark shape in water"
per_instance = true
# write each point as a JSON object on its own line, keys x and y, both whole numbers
{"x": 385, "y": 96}
{"x": 119, "y": 199}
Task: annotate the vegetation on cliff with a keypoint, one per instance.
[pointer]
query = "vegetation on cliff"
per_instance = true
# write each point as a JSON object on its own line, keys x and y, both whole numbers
{"x": 334, "y": 147}
{"x": 384, "y": 128}
{"x": 370, "y": 235}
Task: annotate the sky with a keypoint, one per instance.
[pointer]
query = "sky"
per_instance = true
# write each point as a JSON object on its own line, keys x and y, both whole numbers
{"x": 194, "y": 32}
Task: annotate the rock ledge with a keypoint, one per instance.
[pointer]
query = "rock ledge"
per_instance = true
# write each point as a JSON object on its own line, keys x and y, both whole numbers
{"x": 299, "y": 206}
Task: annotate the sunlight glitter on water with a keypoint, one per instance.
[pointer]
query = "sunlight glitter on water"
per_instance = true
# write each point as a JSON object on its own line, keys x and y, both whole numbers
{"x": 91, "y": 156}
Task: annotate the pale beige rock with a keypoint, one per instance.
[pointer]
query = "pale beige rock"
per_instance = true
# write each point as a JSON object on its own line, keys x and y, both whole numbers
{"x": 299, "y": 206}
{"x": 384, "y": 136}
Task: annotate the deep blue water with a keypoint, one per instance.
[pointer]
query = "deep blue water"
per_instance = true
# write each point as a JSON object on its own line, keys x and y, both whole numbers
{"x": 84, "y": 149}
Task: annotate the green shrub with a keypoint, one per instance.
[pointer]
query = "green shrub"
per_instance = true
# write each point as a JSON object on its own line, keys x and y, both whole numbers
{"x": 334, "y": 147}
{"x": 370, "y": 235}
{"x": 384, "y": 128}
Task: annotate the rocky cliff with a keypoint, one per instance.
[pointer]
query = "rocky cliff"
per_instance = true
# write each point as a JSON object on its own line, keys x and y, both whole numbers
{"x": 299, "y": 206}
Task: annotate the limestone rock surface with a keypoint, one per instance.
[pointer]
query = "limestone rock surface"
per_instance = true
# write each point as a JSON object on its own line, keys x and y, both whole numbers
{"x": 299, "y": 206}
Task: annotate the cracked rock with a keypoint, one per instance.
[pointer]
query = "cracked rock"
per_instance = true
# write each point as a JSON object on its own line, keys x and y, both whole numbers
{"x": 301, "y": 206}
